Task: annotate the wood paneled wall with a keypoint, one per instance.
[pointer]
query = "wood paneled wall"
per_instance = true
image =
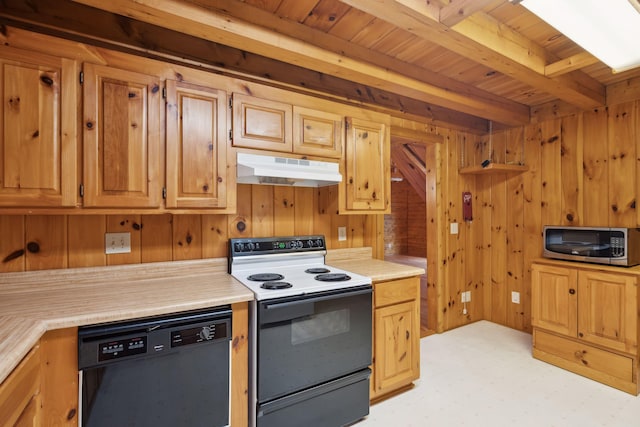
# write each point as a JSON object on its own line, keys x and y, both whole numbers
{"x": 36, "y": 242}
{"x": 583, "y": 171}
{"x": 405, "y": 228}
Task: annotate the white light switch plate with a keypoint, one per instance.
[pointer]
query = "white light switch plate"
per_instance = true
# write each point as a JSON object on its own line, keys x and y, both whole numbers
{"x": 117, "y": 243}
{"x": 515, "y": 297}
{"x": 453, "y": 228}
{"x": 342, "y": 234}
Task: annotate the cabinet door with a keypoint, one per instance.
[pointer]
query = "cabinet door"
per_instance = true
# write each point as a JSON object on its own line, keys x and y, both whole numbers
{"x": 317, "y": 133}
{"x": 367, "y": 184}
{"x": 122, "y": 142}
{"x": 554, "y": 299}
{"x": 19, "y": 393}
{"x": 607, "y": 310}
{"x": 38, "y": 148}
{"x": 261, "y": 123}
{"x": 396, "y": 352}
{"x": 197, "y": 175}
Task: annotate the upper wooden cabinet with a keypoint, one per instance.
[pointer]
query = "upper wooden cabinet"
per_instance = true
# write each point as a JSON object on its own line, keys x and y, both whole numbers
{"x": 366, "y": 184}
{"x": 262, "y": 123}
{"x": 278, "y": 126}
{"x": 317, "y": 133}
{"x": 38, "y": 148}
{"x": 197, "y": 174}
{"x": 122, "y": 144}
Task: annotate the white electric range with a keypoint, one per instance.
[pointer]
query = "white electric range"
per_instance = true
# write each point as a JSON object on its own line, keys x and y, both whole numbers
{"x": 286, "y": 266}
{"x": 309, "y": 333}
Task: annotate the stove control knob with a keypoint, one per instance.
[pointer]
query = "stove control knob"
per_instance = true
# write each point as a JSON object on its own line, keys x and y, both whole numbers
{"x": 205, "y": 333}
{"x": 299, "y": 244}
{"x": 319, "y": 243}
{"x": 311, "y": 243}
{"x": 252, "y": 246}
{"x": 239, "y": 247}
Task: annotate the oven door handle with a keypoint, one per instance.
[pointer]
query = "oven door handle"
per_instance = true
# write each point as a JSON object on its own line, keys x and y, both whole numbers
{"x": 279, "y": 311}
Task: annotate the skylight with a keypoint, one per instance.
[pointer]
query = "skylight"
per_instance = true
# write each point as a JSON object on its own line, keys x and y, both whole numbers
{"x": 609, "y": 30}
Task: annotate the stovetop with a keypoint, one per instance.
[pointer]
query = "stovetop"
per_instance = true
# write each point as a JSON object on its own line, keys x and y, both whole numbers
{"x": 294, "y": 263}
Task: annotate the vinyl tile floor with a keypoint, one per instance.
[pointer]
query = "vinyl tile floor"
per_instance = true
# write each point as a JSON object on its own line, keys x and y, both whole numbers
{"x": 483, "y": 374}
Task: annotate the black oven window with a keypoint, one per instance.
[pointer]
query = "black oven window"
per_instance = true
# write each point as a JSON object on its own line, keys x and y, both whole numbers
{"x": 319, "y": 326}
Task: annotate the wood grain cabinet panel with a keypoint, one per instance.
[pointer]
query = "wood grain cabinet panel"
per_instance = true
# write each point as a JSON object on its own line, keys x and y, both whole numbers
{"x": 19, "y": 400}
{"x": 317, "y": 133}
{"x": 555, "y": 291}
{"x": 122, "y": 138}
{"x": 607, "y": 313}
{"x": 197, "y": 175}
{"x": 585, "y": 319}
{"x": 261, "y": 123}
{"x": 396, "y": 336}
{"x": 39, "y": 121}
{"x": 366, "y": 185}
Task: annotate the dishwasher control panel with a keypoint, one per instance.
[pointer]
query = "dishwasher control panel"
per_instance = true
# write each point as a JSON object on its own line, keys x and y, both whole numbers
{"x": 114, "y": 342}
{"x": 110, "y": 350}
{"x": 212, "y": 331}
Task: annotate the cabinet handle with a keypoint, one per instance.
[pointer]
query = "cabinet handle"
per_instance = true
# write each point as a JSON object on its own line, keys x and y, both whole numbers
{"x": 407, "y": 334}
{"x": 572, "y": 291}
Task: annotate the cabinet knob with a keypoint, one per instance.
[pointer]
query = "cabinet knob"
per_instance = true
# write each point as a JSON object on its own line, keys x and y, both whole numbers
{"x": 580, "y": 334}
{"x": 572, "y": 291}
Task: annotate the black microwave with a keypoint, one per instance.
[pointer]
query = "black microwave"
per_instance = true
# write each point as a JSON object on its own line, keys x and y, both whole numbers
{"x": 602, "y": 245}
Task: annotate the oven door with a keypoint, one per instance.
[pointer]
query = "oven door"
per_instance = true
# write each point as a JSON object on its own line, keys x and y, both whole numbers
{"x": 308, "y": 340}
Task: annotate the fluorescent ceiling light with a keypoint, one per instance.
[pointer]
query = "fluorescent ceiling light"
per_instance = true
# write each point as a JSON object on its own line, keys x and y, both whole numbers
{"x": 609, "y": 30}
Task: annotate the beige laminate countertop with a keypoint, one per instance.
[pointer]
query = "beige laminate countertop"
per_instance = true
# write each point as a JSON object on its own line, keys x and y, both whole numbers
{"x": 32, "y": 303}
{"x": 359, "y": 261}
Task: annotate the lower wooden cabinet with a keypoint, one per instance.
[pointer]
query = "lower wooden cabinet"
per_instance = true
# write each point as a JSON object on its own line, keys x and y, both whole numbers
{"x": 585, "y": 319}
{"x": 19, "y": 393}
{"x": 396, "y": 336}
{"x": 43, "y": 388}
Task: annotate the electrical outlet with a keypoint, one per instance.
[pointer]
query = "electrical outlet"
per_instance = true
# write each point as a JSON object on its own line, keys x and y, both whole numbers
{"x": 515, "y": 297}
{"x": 342, "y": 234}
{"x": 117, "y": 243}
{"x": 465, "y": 297}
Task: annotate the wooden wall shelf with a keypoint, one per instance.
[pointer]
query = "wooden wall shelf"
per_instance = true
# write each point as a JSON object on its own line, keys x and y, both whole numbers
{"x": 493, "y": 168}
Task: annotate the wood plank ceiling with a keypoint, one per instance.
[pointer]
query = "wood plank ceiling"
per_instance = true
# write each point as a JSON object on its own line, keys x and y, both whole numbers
{"x": 457, "y": 63}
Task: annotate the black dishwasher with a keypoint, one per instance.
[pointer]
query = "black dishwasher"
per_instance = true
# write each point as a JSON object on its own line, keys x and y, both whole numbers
{"x": 156, "y": 371}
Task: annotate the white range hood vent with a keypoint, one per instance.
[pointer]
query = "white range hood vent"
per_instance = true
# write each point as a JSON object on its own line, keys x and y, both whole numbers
{"x": 271, "y": 170}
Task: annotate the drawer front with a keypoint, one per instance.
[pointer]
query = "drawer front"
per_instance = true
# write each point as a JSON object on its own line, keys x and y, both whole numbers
{"x": 396, "y": 291}
{"x": 585, "y": 356}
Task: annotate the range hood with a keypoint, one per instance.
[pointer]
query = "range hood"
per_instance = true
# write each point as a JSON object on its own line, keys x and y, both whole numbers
{"x": 271, "y": 170}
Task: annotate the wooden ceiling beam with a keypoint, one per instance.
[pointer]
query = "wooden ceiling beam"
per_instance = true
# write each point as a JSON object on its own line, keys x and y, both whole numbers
{"x": 458, "y": 10}
{"x": 412, "y": 168}
{"x": 197, "y": 21}
{"x": 263, "y": 18}
{"x": 572, "y": 63}
{"x": 486, "y": 41}
{"x": 94, "y": 27}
